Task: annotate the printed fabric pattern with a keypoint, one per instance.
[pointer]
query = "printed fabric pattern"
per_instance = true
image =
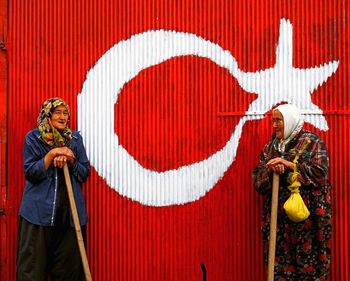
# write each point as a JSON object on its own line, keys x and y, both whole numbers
{"x": 49, "y": 133}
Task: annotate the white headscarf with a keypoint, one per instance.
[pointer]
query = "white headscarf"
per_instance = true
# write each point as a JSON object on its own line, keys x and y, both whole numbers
{"x": 293, "y": 123}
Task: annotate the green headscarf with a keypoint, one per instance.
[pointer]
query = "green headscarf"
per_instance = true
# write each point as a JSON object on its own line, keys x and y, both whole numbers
{"x": 50, "y": 134}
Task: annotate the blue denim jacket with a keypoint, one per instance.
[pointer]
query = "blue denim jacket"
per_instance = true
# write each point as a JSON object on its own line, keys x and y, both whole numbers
{"x": 38, "y": 204}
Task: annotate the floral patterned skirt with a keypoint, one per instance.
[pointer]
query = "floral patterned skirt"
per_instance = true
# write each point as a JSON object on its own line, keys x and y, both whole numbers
{"x": 302, "y": 249}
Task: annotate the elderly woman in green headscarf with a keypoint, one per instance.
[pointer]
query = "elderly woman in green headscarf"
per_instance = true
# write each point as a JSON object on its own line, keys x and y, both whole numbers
{"x": 46, "y": 238}
{"x": 298, "y": 156}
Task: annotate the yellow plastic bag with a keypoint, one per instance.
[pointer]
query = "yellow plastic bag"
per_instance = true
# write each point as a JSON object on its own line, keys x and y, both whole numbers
{"x": 295, "y": 207}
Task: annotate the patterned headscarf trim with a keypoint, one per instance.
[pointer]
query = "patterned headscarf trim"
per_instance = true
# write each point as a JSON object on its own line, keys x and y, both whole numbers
{"x": 49, "y": 133}
{"x": 293, "y": 124}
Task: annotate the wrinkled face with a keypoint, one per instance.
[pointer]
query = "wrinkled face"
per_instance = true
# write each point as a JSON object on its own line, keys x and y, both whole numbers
{"x": 278, "y": 124}
{"x": 59, "y": 118}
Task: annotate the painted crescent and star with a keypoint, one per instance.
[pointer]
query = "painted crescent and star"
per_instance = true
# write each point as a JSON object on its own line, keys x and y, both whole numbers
{"x": 121, "y": 63}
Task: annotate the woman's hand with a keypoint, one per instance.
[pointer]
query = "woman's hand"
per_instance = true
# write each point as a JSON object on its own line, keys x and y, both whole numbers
{"x": 66, "y": 153}
{"x": 279, "y": 165}
{"x": 59, "y": 161}
{"x": 58, "y": 157}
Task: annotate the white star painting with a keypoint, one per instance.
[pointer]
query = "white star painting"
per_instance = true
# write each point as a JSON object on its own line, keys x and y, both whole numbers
{"x": 285, "y": 83}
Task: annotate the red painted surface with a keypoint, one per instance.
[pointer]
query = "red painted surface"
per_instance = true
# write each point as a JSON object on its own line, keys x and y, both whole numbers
{"x": 4, "y": 249}
{"x": 175, "y": 106}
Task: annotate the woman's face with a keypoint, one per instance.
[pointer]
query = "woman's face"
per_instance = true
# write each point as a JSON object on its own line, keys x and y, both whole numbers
{"x": 59, "y": 117}
{"x": 278, "y": 124}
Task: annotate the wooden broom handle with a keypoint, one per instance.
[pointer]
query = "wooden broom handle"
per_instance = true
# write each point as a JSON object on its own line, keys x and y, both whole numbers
{"x": 76, "y": 222}
{"x": 273, "y": 228}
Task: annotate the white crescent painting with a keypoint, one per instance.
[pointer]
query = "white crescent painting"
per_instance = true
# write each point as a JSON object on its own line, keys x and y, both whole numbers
{"x": 125, "y": 60}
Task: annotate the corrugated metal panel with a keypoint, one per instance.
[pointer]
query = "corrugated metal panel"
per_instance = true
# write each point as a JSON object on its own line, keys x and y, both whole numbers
{"x": 178, "y": 71}
{"x": 3, "y": 137}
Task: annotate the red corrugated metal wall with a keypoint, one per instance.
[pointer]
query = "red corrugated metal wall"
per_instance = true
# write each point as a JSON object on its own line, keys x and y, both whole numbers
{"x": 178, "y": 109}
{"x": 3, "y": 132}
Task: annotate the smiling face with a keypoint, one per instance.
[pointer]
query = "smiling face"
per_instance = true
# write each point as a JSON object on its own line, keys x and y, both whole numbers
{"x": 278, "y": 124}
{"x": 59, "y": 118}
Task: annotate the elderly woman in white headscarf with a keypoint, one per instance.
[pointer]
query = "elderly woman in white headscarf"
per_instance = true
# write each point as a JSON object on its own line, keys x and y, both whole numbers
{"x": 302, "y": 248}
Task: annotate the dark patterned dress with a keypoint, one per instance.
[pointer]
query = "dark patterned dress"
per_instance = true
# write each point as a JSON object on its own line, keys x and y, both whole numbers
{"x": 302, "y": 249}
